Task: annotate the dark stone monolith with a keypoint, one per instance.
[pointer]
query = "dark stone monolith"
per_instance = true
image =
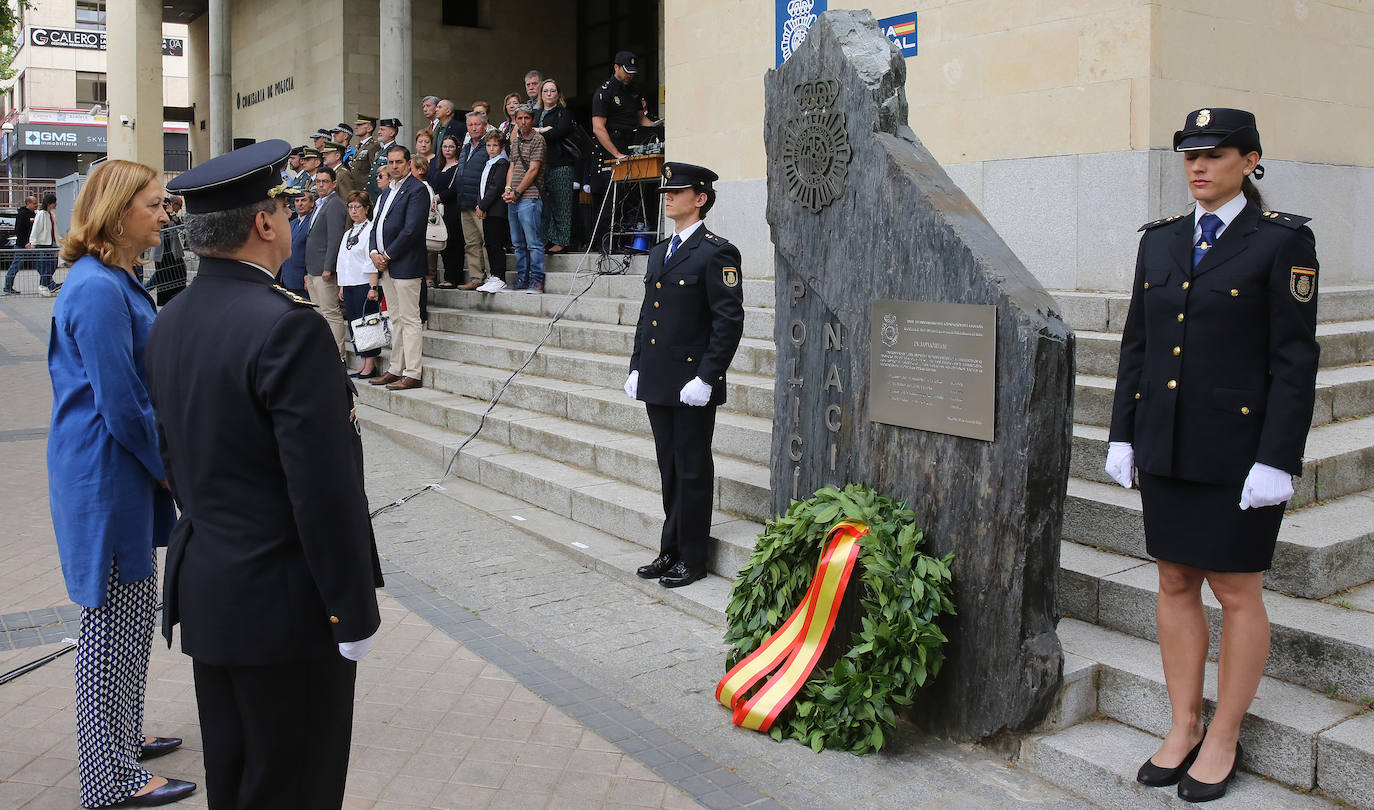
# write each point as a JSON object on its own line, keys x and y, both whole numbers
{"x": 861, "y": 212}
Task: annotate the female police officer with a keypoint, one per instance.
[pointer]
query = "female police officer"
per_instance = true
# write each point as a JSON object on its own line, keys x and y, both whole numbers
{"x": 1214, "y": 395}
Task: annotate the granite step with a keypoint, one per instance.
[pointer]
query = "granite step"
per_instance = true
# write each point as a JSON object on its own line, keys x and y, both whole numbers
{"x": 1338, "y": 460}
{"x": 1092, "y": 311}
{"x": 1316, "y": 645}
{"x": 622, "y": 510}
{"x": 753, "y": 356}
{"x": 1283, "y": 729}
{"x": 758, "y": 321}
{"x": 737, "y": 434}
{"x": 745, "y": 393}
{"x": 741, "y": 486}
{"x": 1322, "y": 550}
{"x": 1343, "y": 343}
{"x": 1097, "y": 760}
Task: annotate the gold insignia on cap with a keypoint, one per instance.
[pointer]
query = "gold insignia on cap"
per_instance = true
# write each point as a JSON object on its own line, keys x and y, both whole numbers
{"x": 730, "y": 275}
{"x": 668, "y": 172}
{"x": 1302, "y": 283}
{"x": 278, "y": 191}
{"x": 1204, "y": 117}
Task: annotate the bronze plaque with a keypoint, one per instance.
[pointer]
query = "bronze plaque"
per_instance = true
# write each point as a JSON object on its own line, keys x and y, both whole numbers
{"x": 933, "y": 367}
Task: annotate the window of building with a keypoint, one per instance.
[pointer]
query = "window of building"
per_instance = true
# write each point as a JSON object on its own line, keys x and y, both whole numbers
{"x": 90, "y": 15}
{"x": 19, "y": 83}
{"x": 467, "y": 13}
{"x": 90, "y": 89}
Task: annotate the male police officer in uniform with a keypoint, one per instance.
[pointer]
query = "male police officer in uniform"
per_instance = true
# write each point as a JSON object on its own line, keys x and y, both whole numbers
{"x": 387, "y": 130}
{"x": 618, "y": 108}
{"x": 689, "y": 327}
{"x": 272, "y": 567}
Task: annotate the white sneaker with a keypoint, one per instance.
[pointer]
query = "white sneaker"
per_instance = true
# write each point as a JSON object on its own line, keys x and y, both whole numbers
{"x": 486, "y": 286}
{"x": 45, "y": 292}
{"x": 494, "y": 285}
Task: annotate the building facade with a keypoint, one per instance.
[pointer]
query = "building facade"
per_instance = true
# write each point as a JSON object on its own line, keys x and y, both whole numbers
{"x": 55, "y": 108}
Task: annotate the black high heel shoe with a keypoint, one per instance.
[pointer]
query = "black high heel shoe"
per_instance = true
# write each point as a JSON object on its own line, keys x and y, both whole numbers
{"x": 1191, "y": 790}
{"x": 1152, "y": 775}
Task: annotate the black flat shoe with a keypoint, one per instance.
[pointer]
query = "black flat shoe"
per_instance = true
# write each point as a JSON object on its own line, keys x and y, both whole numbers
{"x": 175, "y": 790}
{"x": 1191, "y": 790}
{"x": 376, "y": 372}
{"x": 1152, "y": 775}
{"x": 680, "y": 575}
{"x": 158, "y": 747}
{"x": 657, "y": 568}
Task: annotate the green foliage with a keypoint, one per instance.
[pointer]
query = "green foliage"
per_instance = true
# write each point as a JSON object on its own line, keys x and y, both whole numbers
{"x": 852, "y": 705}
{"x": 10, "y": 35}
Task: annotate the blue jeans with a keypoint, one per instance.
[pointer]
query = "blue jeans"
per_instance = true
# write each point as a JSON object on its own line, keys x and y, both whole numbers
{"x": 44, "y": 260}
{"x": 527, "y": 235}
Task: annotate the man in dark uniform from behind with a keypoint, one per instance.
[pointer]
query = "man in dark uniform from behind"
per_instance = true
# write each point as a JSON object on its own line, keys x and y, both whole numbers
{"x": 689, "y": 328}
{"x": 618, "y": 110}
{"x": 272, "y": 567}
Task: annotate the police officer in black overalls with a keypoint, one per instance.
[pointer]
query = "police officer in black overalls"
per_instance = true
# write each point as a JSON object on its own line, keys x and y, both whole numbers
{"x": 689, "y": 328}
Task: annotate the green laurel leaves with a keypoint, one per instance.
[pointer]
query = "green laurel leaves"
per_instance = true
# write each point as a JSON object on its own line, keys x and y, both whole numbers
{"x": 897, "y": 649}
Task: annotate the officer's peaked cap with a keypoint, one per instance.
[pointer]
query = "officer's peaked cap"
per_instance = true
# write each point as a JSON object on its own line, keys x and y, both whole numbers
{"x": 1212, "y": 127}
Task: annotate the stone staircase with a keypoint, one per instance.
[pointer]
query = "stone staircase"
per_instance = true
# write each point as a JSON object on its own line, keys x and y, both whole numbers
{"x": 568, "y": 458}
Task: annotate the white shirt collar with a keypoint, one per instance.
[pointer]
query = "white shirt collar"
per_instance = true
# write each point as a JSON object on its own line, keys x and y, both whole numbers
{"x": 686, "y": 233}
{"x": 1226, "y": 213}
{"x": 269, "y": 273}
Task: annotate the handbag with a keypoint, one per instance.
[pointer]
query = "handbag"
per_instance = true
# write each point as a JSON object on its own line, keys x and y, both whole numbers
{"x": 371, "y": 331}
{"x": 436, "y": 232}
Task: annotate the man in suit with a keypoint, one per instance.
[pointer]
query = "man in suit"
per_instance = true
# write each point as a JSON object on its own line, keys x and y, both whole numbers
{"x": 292, "y": 275}
{"x": 327, "y": 225}
{"x": 445, "y": 126}
{"x": 689, "y": 328}
{"x": 272, "y": 567}
{"x": 397, "y": 247}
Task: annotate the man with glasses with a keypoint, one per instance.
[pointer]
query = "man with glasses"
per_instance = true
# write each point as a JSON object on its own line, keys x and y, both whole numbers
{"x": 328, "y": 222}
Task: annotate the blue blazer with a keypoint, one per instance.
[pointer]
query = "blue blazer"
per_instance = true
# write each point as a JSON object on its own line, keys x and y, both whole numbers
{"x": 405, "y": 228}
{"x": 103, "y": 460}
{"x": 293, "y": 269}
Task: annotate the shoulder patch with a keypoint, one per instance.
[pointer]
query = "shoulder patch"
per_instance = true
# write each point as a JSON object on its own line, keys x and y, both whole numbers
{"x": 305, "y": 302}
{"x": 1147, "y": 226}
{"x": 1291, "y": 221}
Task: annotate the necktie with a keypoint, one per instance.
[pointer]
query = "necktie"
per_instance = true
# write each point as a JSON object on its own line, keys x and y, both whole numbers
{"x": 672, "y": 247}
{"x": 1209, "y": 224}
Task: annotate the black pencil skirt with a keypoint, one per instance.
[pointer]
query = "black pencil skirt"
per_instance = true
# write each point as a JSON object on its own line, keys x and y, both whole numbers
{"x": 1202, "y": 525}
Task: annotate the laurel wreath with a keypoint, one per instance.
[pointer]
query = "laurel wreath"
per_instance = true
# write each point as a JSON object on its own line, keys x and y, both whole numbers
{"x": 852, "y": 705}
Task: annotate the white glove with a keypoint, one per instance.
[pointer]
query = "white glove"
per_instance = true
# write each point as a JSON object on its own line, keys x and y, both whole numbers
{"x": 356, "y": 650}
{"x": 1265, "y": 486}
{"x": 1120, "y": 461}
{"x": 632, "y": 384}
{"x": 695, "y": 392}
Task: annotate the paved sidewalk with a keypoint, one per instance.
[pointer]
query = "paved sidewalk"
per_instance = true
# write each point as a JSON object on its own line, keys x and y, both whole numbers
{"x": 436, "y": 725}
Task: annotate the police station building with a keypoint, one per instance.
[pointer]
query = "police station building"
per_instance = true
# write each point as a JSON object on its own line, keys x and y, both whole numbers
{"x": 1054, "y": 116}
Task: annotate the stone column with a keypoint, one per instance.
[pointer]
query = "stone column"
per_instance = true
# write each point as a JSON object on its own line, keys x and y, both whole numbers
{"x": 396, "y": 65}
{"x": 198, "y": 53}
{"x": 221, "y": 113}
{"x": 134, "y": 76}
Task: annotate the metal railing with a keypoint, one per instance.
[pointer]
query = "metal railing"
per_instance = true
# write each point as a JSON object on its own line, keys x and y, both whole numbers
{"x": 14, "y": 190}
{"x": 164, "y": 271}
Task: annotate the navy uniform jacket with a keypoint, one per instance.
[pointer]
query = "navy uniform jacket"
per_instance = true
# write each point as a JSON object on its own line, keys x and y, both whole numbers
{"x": 273, "y": 559}
{"x": 691, "y": 319}
{"x": 1219, "y": 362}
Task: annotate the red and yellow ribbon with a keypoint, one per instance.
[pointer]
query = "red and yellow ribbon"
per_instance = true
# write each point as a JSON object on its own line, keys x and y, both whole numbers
{"x": 796, "y": 646}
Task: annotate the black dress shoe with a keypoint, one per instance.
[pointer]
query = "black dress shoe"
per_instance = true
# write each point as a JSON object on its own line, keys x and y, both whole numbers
{"x": 657, "y": 568}
{"x": 1152, "y": 775}
{"x": 175, "y": 790}
{"x": 680, "y": 575}
{"x": 158, "y": 747}
{"x": 1191, "y": 790}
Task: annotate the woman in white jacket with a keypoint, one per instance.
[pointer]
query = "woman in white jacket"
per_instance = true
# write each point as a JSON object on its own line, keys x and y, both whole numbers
{"x": 357, "y": 277}
{"x": 43, "y": 238}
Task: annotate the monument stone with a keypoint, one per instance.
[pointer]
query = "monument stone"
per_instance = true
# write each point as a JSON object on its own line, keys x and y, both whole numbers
{"x": 884, "y": 267}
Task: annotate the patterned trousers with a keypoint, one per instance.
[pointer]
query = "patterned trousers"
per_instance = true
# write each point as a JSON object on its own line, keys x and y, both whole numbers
{"x": 558, "y": 204}
{"x": 111, "y": 678}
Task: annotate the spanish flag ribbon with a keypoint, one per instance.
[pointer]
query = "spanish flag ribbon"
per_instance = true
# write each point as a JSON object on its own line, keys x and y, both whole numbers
{"x": 796, "y": 646}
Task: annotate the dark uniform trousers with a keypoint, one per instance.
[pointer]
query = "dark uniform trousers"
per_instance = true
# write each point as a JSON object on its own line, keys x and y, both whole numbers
{"x": 273, "y": 562}
{"x": 682, "y": 439}
{"x": 689, "y": 326}
{"x": 280, "y": 733}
